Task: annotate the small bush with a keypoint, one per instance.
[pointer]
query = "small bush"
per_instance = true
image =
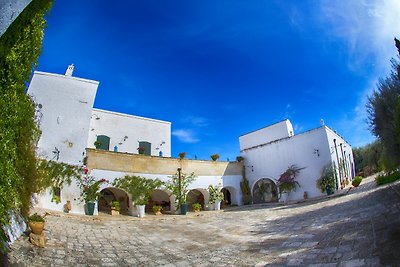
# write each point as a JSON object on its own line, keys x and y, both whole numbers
{"x": 239, "y": 158}
{"x": 357, "y": 181}
{"x": 386, "y": 179}
{"x": 196, "y": 207}
{"x": 36, "y": 218}
{"x": 182, "y": 155}
{"x": 157, "y": 208}
{"x": 115, "y": 205}
{"x": 214, "y": 157}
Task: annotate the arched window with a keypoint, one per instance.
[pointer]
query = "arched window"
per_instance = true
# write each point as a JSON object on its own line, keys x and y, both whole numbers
{"x": 102, "y": 142}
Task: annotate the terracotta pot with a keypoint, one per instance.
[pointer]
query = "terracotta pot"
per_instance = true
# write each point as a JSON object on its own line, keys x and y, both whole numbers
{"x": 114, "y": 212}
{"x": 68, "y": 206}
{"x": 36, "y": 227}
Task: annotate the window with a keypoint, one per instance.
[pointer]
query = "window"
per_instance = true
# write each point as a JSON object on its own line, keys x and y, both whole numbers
{"x": 102, "y": 142}
{"x": 144, "y": 148}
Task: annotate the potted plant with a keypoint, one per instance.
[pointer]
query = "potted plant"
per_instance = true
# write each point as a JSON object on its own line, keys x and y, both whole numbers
{"x": 140, "y": 190}
{"x": 287, "y": 182}
{"x": 245, "y": 188}
{"x": 141, "y": 150}
{"x": 356, "y": 182}
{"x": 214, "y": 157}
{"x": 97, "y": 144}
{"x": 196, "y": 207}
{"x": 216, "y": 196}
{"x": 115, "y": 207}
{"x": 157, "y": 209}
{"x": 178, "y": 185}
{"x": 326, "y": 183}
{"x": 36, "y": 223}
{"x": 182, "y": 155}
{"x": 89, "y": 190}
{"x": 239, "y": 158}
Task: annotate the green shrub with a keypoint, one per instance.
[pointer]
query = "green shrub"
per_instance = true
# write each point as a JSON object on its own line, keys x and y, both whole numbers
{"x": 214, "y": 157}
{"x": 196, "y": 207}
{"x": 386, "y": 179}
{"x": 157, "y": 208}
{"x": 115, "y": 205}
{"x": 239, "y": 158}
{"x": 357, "y": 181}
{"x": 36, "y": 218}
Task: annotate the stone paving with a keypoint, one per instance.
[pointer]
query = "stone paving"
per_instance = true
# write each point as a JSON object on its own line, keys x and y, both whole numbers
{"x": 360, "y": 228}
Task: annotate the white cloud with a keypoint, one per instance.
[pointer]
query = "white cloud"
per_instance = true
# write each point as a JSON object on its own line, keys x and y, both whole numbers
{"x": 367, "y": 28}
{"x": 185, "y": 136}
{"x": 196, "y": 121}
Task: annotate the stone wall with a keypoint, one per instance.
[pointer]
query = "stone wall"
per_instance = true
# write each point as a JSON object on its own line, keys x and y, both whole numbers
{"x": 133, "y": 163}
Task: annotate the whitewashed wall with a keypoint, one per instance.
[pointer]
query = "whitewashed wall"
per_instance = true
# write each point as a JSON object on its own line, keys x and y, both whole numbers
{"x": 343, "y": 151}
{"x": 72, "y": 192}
{"x": 117, "y": 126}
{"x": 265, "y": 135}
{"x": 310, "y": 150}
{"x": 66, "y": 106}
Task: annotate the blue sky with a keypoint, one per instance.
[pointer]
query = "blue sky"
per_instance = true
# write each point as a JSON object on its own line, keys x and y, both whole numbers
{"x": 219, "y": 69}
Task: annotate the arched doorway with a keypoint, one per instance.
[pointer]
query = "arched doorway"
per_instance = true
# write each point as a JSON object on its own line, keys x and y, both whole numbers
{"x": 195, "y": 196}
{"x": 227, "y": 197}
{"x": 264, "y": 191}
{"x": 110, "y": 194}
{"x": 162, "y": 198}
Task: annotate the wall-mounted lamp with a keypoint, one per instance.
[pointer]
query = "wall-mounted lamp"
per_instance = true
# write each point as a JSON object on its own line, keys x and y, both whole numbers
{"x": 316, "y": 151}
{"x": 95, "y": 117}
{"x": 123, "y": 140}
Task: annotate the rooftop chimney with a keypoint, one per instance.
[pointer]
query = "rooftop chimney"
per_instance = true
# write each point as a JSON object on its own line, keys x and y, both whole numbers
{"x": 322, "y": 122}
{"x": 69, "y": 71}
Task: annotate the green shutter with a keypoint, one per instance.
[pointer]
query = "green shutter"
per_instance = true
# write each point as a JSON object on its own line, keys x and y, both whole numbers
{"x": 104, "y": 141}
{"x": 146, "y": 146}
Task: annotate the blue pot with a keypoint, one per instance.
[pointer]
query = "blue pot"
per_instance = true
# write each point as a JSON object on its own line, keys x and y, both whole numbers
{"x": 89, "y": 208}
{"x": 183, "y": 209}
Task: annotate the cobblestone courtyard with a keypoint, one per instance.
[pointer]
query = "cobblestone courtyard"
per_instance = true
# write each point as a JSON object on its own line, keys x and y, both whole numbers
{"x": 361, "y": 228}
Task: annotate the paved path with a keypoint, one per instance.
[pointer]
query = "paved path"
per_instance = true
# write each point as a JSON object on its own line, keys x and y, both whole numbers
{"x": 361, "y": 228}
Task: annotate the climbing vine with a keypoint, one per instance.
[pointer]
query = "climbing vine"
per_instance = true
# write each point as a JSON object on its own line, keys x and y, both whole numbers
{"x": 20, "y": 47}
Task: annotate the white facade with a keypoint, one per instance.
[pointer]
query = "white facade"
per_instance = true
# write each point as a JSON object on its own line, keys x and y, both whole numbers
{"x": 126, "y": 131}
{"x": 64, "y": 105}
{"x": 70, "y": 125}
{"x": 311, "y": 150}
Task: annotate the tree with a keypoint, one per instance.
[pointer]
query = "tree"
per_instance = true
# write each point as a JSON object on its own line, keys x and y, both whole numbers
{"x": 368, "y": 159}
{"x": 383, "y": 109}
{"x": 139, "y": 188}
{"x": 179, "y": 186}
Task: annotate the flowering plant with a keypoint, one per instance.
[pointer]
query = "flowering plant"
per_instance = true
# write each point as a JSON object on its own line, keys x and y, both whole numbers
{"x": 89, "y": 186}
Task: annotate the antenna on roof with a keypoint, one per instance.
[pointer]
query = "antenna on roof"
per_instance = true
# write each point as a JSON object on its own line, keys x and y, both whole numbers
{"x": 69, "y": 70}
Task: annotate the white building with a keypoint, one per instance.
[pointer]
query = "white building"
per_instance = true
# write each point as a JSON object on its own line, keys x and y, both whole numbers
{"x": 269, "y": 151}
{"x": 111, "y": 142}
{"x": 72, "y": 128}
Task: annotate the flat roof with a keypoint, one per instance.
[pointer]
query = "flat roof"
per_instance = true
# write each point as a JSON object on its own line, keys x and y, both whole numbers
{"x": 129, "y": 115}
{"x": 66, "y": 77}
{"x": 294, "y": 136}
{"x": 264, "y": 127}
